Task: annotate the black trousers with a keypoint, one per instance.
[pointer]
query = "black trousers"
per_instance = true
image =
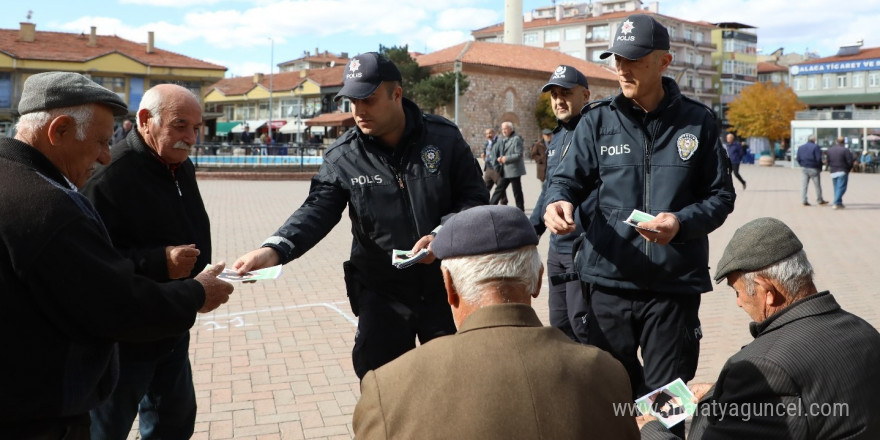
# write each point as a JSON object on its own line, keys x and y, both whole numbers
{"x": 61, "y": 428}
{"x": 568, "y": 307}
{"x": 501, "y": 189}
{"x": 388, "y": 326}
{"x": 734, "y": 168}
{"x": 665, "y": 326}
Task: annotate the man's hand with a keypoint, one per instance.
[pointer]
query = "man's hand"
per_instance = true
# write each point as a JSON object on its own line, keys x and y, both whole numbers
{"x": 217, "y": 291}
{"x": 666, "y": 223}
{"x": 642, "y": 420}
{"x": 256, "y": 259}
{"x": 700, "y": 390}
{"x": 502, "y": 159}
{"x": 425, "y": 242}
{"x": 180, "y": 260}
{"x": 559, "y": 217}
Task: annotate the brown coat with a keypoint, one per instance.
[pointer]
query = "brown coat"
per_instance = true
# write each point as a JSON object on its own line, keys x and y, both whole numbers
{"x": 502, "y": 376}
{"x": 538, "y": 153}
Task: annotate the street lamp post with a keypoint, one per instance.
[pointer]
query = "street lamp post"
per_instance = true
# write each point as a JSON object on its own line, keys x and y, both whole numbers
{"x": 457, "y": 70}
{"x": 271, "y": 75}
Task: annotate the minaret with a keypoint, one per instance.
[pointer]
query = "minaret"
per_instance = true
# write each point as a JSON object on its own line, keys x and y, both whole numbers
{"x": 513, "y": 21}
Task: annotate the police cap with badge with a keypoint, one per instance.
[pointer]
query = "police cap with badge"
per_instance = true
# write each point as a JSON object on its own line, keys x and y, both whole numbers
{"x": 566, "y": 77}
{"x": 637, "y": 36}
{"x": 364, "y": 73}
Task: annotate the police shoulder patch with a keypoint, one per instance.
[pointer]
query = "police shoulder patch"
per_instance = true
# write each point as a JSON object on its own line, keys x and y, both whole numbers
{"x": 431, "y": 158}
{"x": 687, "y": 144}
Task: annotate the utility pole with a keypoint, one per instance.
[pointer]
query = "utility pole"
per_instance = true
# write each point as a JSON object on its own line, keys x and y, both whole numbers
{"x": 271, "y": 75}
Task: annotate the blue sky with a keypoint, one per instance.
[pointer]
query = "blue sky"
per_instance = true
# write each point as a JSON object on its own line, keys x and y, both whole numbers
{"x": 237, "y": 34}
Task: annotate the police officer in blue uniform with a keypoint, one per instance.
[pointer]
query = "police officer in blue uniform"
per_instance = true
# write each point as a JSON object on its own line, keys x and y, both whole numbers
{"x": 569, "y": 92}
{"x": 401, "y": 173}
{"x": 652, "y": 149}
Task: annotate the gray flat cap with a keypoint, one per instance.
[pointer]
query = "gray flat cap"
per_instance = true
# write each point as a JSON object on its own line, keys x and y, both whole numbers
{"x": 48, "y": 90}
{"x": 484, "y": 230}
{"x": 756, "y": 245}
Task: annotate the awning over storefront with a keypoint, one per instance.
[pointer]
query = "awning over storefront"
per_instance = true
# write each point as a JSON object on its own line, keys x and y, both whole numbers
{"x": 294, "y": 126}
{"x": 332, "y": 120}
{"x": 252, "y": 125}
{"x": 223, "y": 128}
{"x": 278, "y": 124}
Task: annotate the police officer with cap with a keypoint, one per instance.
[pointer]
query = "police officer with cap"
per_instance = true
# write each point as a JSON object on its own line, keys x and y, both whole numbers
{"x": 569, "y": 93}
{"x": 650, "y": 149}
{"x": 400, "y": 173}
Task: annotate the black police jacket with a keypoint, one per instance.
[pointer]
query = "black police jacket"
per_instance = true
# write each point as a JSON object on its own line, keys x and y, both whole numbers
{"x": 669, "y": 160}
{"x": 395, "y": 195}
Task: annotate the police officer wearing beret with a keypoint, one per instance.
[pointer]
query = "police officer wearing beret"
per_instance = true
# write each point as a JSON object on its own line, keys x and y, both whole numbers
{"x": 400, "y": 173}
{"x": 68, "y": 295}
{"x": 649, "y": 148}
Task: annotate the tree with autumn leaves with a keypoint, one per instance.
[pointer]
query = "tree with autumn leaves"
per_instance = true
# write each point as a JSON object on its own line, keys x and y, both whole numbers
{"x": 764, "y": 109}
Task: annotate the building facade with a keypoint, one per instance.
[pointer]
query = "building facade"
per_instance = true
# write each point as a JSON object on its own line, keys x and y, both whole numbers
{"x": 584, "y": 31}
{"x": 505, "y": 84}
{"x": 123, "y": 66}
{"x": 736, "y": 64}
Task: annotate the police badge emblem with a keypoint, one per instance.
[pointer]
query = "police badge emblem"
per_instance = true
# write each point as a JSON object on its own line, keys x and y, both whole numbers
{"x": 431, "y": 158}
{"x": 687, "y": 145}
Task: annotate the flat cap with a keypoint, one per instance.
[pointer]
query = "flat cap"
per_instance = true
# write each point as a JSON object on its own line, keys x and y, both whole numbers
{"x": 756, "y": 245}
{"x": 637, "y": 36}
{"x": 49, "y": 90}
{"x": 546, "y": 131}
{"x": 364, "y": 73}
{"x": 484, "y": 229}
{"x": 565, "y": 77}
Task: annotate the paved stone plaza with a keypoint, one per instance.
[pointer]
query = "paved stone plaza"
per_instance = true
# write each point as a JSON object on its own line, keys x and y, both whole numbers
{"x": 274, "y": 363}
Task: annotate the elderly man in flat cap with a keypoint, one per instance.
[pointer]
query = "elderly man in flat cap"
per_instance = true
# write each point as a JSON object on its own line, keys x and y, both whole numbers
{"x": 67, "y": 294}
{"x": 503, "y": 375}
{"x": 654, "y": 150}
{"x": 810, "y": 373}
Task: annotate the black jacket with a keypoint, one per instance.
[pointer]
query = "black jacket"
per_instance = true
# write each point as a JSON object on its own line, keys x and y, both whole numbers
{"x": 68, "y": 295}
{"x": 146, "y": 206}
{"x": 669, "y": 160}
{"x": 810, "y": 373}
{"x": 394, "y": 196}
{"x": 562, "y": 244}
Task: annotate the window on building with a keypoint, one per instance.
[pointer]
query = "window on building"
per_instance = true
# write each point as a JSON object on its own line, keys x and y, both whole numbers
{"x": 858, "y": 80}
{"x": 508, "y": 101}
{"x": 671, "y": 33}
{"x": 826, "y": 81}
{"x": 599, "y": 33}
{"x": 530, "y": 38}
{"x": 698, "y": 60}
{"x": 698, "y": 37}
{"x": 812, "y": 82}
{"x": 115, "y": 84}
{"x": 841, "y": 81}
{"x": 688, "y": 34}
{"x": 245, "y": 112}
{"x": 594, "y": 56}
{"x": 551, "y": 35}
{"x": 575, "y": 53}
{"x": 874, "y": 79}
{"x": 573, "y": 34}
{"x": 229, "y": 112}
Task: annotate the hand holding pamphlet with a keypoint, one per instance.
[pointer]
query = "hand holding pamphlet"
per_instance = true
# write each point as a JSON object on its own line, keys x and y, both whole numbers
{"x": 670, "y": 404}
{"x": 231, "y": 275}
{"x": 636, "y": 216}
{"x": 402, "y": 259}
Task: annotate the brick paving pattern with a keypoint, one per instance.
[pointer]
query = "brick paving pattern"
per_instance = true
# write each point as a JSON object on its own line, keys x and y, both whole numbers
{"x": 275, "y": 362}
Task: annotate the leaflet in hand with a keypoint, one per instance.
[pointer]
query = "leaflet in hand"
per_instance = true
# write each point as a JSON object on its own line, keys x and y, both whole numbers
{"x": 269, "y": 273}
{"x": 670, "y": 404}
{"x": 402, "y": 259}
{"x": 636, "y": 216}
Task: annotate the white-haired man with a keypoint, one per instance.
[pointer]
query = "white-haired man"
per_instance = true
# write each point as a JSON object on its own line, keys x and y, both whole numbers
{"x": 68, "y": 295}
{"x": 503, "y": 375}
{"x": 150, "y": 202}
{"x": 509, "y": 152}
{"x": 810, "y": 373}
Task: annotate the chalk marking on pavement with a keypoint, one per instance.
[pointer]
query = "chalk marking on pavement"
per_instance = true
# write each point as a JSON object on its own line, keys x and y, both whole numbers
{"x": 238, "y": 320}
